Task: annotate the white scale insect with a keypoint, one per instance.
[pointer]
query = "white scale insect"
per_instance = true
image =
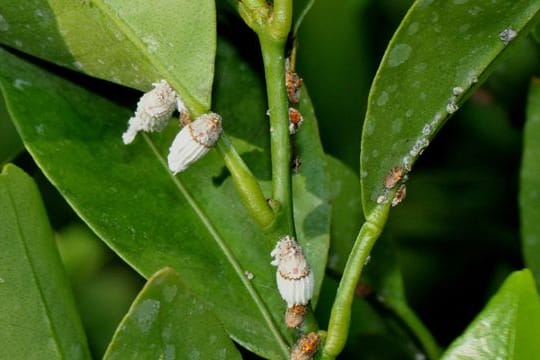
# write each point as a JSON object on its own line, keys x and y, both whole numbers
{"x": 154, "y": 110}
{"x": 196, "y": 138}
{"x": 194, "y": 141}
{"x": 294, "y": 277}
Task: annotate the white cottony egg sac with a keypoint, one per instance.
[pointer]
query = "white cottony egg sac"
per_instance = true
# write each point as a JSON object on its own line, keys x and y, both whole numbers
{"x": 154, "y": 110}
{"x": 294, "y": 277}
{"x": 194, "y": 141}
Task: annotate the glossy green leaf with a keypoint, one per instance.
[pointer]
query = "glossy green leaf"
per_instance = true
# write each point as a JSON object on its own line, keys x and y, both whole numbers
{"x": 167, "y": 321}
{"x": 436, "y": 58}
{"x": 134, "y": 43}
{"x": 507, "y": 328}
{"x": 38, "y": 317}
{"x": 529, "y": 196}
{"x": 10, "y": 142}
{"x": 332, "y": 41}
{"x": 193, "y": 222}
{"x": 311, "y": 194}
{"x": 347, "y": 217}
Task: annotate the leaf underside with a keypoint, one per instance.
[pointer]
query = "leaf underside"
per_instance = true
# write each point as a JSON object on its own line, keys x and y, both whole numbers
{"x": 441, "y": 52}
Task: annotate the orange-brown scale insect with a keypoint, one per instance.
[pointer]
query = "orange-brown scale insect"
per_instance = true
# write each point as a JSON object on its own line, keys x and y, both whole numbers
{"x": 295, "y": 120}
{"x": 400, "y": 195}
{"x": 393, "y": 177}
{"x": 293, "y": 83}
{"x": 295, "y": 315}
{"x": 306, "y": 347}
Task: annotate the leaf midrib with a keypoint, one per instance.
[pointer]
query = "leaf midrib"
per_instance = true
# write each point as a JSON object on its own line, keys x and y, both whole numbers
{"x": 193, "y": 104}
{"x": 221, "y": 244}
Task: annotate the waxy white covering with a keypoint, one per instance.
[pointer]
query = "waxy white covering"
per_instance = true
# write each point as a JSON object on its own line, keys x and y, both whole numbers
{"x": 294, "y": 278}
{"x": 194, "y": 141}
{"x": 154, "y": 110}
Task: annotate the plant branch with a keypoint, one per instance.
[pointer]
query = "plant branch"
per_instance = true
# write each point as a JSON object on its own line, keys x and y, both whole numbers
{"x": 246, "y": 184}
{"x": 281, "y": 19}
{"x": 340, "y": 316}
{"x": 272, "y": 25}
{"x": 255, "y": 13}
{"x": 274, "y": 67}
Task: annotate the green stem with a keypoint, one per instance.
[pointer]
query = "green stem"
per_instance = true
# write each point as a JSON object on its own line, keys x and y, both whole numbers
{"x": 255, "y": 13}
{"x": 419, "y": 330}
{"x": 272, "y": 23}
{"x": 274, "y": 67}
{"x": 246, "y": 184}
{"x": 254, "y": 3}
{"x": 281, "y": 20}
{"x": 340, "y": 316}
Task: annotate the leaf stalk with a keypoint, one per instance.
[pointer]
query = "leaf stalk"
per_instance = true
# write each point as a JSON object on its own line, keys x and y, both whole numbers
{"x": 246, "y": 184}
{"x": 340, "y": 316}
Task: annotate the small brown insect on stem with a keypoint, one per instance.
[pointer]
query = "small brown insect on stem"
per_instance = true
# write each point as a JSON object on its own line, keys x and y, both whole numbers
{"x": 295, "y": 120}
{"x": 400, "y": 195}
{"x": 295, "y": 315}
{"x": 306, "y": 347}
{"x": 293, "y": 83}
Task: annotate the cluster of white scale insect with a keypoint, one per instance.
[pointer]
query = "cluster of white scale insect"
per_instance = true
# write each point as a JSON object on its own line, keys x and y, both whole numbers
{"x": 294, "y": 277}
{"x": 194, "y": 140}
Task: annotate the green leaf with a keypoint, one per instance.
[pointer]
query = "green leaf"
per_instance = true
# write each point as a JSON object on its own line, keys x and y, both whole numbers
{"x": 334, "y": 71}
{"x": 38, "y": 318}
{"x": 193, "y": 222}
{"x": 10, "y": 142}
{"x": 529, "y": 196}
{"x": 134, "y": 43}
{"x": 347, "y": 217}
{"x": 165, "y": 321}
{"x": 311, "y": 194}
{"x": 507, "y": 328}
{"x": 433, "y": 63}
